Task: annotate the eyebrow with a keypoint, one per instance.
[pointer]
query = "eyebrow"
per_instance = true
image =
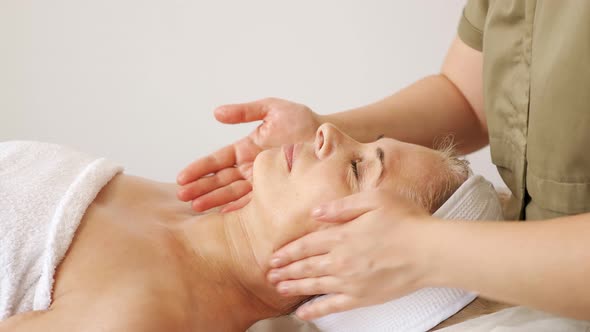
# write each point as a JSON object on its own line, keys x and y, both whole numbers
{"x": 381, "y": 156}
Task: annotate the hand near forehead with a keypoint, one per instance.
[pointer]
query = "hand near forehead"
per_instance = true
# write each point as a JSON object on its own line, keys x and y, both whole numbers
{"x": 369, "y": 259}
{"x": 225, "y": 175}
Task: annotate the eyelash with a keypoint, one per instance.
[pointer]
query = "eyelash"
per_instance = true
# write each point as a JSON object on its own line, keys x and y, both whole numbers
{"x": 355, "y": 170}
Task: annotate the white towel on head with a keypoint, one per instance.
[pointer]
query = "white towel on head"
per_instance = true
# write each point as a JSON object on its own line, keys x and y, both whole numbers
{"x": 476, "y": 199}
{"x": 44, "y": 191}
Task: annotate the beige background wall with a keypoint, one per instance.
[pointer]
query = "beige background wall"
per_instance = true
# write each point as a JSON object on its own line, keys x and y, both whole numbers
{"x": 136, "y": 80}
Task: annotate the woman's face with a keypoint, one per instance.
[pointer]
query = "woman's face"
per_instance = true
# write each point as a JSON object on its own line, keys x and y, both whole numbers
{"x": 290, "y": 181}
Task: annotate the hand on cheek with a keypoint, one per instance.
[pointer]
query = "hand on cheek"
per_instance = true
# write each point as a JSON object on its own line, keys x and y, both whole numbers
{"x": 370, "y": 259}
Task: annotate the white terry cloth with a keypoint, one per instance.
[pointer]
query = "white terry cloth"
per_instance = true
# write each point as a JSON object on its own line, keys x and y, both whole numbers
{"x": 476, "y": 199}
{"x": 45, "y": 190}
{"x": 520, "y": 319}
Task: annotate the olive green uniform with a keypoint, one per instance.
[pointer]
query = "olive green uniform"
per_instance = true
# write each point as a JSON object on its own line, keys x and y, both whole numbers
{"x": 536, "y": 75}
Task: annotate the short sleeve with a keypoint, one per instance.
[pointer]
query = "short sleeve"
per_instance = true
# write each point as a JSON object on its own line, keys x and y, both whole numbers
{"x": 471, "y": 25}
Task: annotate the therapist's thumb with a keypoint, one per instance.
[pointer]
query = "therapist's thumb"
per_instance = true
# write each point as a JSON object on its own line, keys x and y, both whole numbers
{"x": 345, "y": 209}
{"x": 239, "y": 113}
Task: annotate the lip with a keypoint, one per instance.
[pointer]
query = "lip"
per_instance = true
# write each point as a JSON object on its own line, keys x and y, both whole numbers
{"x": 288, "y": 151}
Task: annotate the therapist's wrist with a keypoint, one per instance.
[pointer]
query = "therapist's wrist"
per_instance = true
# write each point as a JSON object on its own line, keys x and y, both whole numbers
{"x": 452, "y": 248}
{"x": 414, "y": 240}
{"x": 329, "y": 118}
{"x": 344, "y": 122}
{"x": 429, "y": 239}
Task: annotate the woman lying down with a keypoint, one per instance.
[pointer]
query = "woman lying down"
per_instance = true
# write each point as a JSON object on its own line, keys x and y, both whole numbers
{"x": 88, "y": 248}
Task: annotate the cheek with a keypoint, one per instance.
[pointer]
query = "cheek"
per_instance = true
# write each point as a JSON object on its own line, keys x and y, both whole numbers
{"x": 293, "y": 197}
{"x": 320, "y": 185}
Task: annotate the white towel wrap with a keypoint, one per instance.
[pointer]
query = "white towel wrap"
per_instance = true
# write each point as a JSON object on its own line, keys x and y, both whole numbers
{"x": 44, "y": 191}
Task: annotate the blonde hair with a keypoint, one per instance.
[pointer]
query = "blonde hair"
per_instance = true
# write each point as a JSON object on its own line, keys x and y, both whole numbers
{"x": 455, "y": 171}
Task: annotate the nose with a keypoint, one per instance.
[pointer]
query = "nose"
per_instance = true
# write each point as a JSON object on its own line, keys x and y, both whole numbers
{"x": 328, "y": 139}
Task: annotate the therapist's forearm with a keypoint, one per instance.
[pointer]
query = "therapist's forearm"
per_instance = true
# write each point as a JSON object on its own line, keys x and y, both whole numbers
{"x": 541, "y": 264}
{"x": 421, "y": 113}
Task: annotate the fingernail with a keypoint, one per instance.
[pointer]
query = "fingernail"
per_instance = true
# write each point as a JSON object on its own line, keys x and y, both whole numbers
{"x": 318, "y": 212}
{"x": 181, "y": 193}
{"x": 180, "y": 179}
{"x": 276, "y": 262}
{"x": 196, "y": 204}
{"x": 273, "y": 276}
{"x": 283, "y": 288}
{"x": 302, "y": 312}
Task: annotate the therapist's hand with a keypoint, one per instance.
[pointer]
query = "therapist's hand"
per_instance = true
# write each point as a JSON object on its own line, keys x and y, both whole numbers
{"x": 224, "y": 176}
{"x": 372, "y": 258}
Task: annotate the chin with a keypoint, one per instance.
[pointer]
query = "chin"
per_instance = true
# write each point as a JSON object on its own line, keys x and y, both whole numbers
{"x": 263, "y": 163}
{"x": 267, "y": 170}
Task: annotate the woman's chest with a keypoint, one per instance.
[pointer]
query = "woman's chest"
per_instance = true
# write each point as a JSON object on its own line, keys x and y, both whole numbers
{"x": 119, "y": 260}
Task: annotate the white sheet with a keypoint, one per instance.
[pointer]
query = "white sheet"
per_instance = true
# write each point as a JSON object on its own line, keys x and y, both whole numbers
{"x": 519, "y": 319}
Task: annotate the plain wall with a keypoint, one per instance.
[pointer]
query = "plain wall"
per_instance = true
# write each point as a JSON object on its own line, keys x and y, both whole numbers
{"x": 136, "y": 80}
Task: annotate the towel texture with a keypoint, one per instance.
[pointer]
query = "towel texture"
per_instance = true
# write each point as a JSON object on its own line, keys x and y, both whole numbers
{"x": 44, "y": 191}
{"x": 476, "y": 199}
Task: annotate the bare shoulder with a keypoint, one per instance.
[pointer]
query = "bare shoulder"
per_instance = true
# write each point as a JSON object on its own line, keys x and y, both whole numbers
{"x": 47, "y": 320}
{"x": 27, "y": 321}
{"x": 109, "y": 311}
{"x": 97, "y": 319}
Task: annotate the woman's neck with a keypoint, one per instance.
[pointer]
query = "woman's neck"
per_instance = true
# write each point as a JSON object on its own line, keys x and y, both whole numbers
{"x": 229, "y": 263}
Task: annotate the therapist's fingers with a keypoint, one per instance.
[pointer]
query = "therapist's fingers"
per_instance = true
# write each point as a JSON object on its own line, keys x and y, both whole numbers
{"x": 316, "y": 266}
{"x": 349, "y": 207}
{"x": 209, "y": 183}
{"x": 239, "y": 113}
{"x": 312, "y": 244}
{"x": 220, "y": 159}
{"x": 238, "y": 204}
{"x": 222, "y": 196}
{"x": 325, "y": 305}
{"x": 310, "y": 286}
